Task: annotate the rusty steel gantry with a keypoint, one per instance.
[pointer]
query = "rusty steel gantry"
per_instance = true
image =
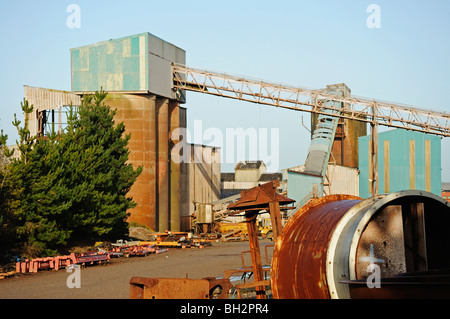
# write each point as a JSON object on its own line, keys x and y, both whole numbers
{"x": 371, "y": 111}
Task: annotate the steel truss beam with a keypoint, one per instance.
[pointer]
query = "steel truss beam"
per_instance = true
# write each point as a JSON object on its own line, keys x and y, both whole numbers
{"x": 372, "y": 111}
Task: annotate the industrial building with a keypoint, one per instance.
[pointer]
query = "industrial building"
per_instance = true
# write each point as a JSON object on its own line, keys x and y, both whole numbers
{"x": 136, "y": 71}
{"x": 384, "y": 189}
{"x": 199, "y": 181}
{"x": 345, "y": 145}
{"x": 406, "y": 160}
{"x": 247, "y": 174}
{"x": 339, "y": 180}
{"x": 139, "y": 64}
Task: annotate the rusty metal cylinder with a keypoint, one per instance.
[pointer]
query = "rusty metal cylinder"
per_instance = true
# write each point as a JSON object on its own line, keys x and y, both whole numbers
{"x": 323, "y": 243}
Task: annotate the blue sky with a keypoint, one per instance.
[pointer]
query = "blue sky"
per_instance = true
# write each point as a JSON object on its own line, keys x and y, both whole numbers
{"x": 305, "y": 43}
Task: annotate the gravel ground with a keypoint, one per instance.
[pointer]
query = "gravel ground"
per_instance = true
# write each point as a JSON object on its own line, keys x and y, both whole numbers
{"x": 111, "y": 281}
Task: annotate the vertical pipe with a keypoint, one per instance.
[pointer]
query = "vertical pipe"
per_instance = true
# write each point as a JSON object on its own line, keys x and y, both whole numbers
{"x": 374, "y": 154}
{"x": 174, "y": 170}
{"x": 162, "y": 106}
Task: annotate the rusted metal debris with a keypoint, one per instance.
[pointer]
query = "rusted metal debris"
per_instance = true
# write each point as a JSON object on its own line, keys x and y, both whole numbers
{"x": 176, "y": 288}
{"x": 57, "y": 262}
{"x": 4, "y": 275}
{"x": 261, "y": 198}
{"x": 36, "y": 264}
{"x": 206, "y": 288}
{"x": 264, "y": 197}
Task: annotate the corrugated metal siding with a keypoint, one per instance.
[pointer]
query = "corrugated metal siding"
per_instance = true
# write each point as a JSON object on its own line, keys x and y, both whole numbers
{"x": 114, "y": 65}
{"x": 411, "y": 160}
{"x": 203, "y": 185}
{"x": 342, "y": 180}
{"x": 47, "y": 99}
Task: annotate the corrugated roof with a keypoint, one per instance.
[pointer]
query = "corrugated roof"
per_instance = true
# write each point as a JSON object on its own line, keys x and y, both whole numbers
{"x": 249, "y": 165}
{"x": 267, "y": 177}
{"x": 227, "y": 177}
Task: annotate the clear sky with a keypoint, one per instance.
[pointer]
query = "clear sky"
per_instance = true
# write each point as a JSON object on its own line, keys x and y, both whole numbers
{"x": 304, "y": 43}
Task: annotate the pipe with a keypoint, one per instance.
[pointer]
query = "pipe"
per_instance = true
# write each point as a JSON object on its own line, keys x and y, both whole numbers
{"x": 324, "y": 242}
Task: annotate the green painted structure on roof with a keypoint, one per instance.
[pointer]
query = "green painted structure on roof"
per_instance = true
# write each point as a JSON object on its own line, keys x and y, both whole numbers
{"x": 140, "y": 63}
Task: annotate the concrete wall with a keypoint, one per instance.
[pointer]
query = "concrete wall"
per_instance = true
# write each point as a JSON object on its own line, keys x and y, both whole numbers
{"x": 139, "y": 114}
{"x": 150, "y": 120}
{"x": 250, "y": 175}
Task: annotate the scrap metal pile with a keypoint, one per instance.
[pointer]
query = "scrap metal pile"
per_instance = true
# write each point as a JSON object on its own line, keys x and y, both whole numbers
{"x": 215, "y": 223}
{"x": 55, "y": 263}
{"x": 104, "y": 251}
{"x": 252, "y": 202}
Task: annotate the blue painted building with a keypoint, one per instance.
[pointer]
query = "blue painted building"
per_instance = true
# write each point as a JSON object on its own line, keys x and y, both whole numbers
{"x": 406, "y": 160}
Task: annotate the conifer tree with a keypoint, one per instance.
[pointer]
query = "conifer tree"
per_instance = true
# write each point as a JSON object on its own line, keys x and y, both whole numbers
{"x": 6, "y": 217}
{"x": 97, "y": 173}
{"x": 34, "y": 186}
{"x": 72, "y": 186}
